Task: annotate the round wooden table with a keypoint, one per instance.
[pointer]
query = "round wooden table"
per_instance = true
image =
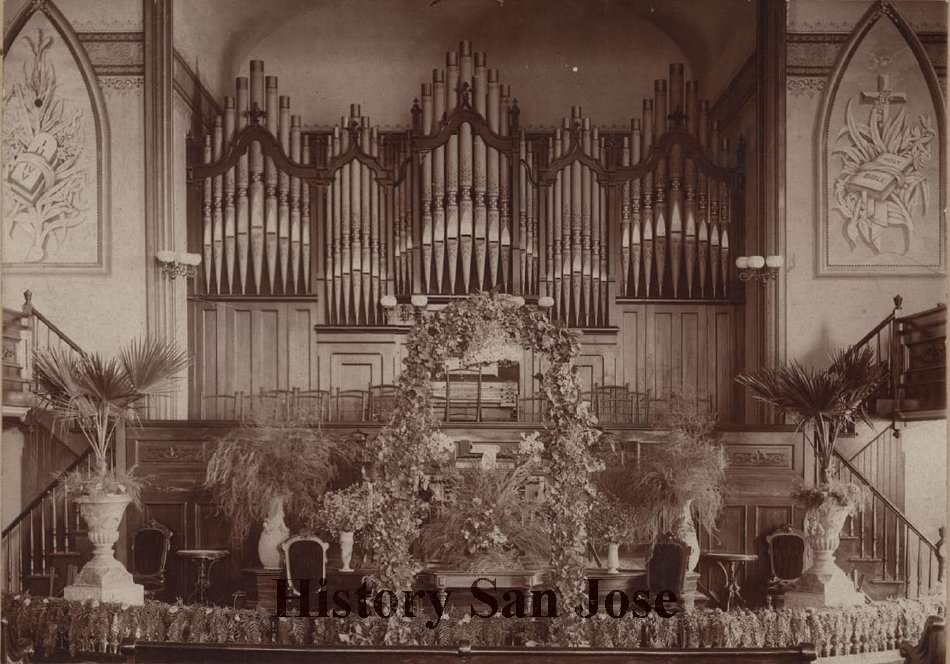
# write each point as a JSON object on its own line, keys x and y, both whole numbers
{"x": 205, "y": 558}
{"x": 730, "y": 563}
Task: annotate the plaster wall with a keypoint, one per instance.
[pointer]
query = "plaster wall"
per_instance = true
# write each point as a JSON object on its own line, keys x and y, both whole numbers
{"x": 554, "y": 55}
{"x": 825, "y": 313}
{"x": 101, "y": 311}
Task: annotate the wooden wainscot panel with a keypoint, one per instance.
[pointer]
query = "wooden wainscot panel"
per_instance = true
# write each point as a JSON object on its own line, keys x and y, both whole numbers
{"x": 356, "y": 358}
{"x": 248, "y": 346}
{"x": 686, "y": 348}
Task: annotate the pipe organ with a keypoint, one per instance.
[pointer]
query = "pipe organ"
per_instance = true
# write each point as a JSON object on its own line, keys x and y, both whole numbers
{"x": 467, "y": 199}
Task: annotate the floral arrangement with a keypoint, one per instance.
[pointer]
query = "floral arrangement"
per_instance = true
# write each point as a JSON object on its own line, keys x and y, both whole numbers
{"x": 487, "y": 522}
{"x": 403, "y": 454}
{"x": 846, "y": 494}
{"x": 58, "y": 626}
{"x": 345, "y": 510}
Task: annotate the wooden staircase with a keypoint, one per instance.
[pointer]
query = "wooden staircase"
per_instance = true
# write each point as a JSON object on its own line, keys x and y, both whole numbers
{"x": 45, "y": 543}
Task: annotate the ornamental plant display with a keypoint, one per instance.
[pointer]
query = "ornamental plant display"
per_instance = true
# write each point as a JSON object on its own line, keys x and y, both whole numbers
{"x": 269, "y": 459}
{"x": 823, "y": 402}
{"x": 57, "y": 626}
{"x": 487, "y": 523}
{"x": 689, "y": 469}
{"x": 344, "y": 510}
{"x": 403, "y": 454}
{"x": 99, "y": 395}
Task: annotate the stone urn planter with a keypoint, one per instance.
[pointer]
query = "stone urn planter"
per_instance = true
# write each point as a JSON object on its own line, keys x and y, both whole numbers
{"x": 104, "y": 578}
{"x": 824, "y": 584}
{"x": 274, "y": 533}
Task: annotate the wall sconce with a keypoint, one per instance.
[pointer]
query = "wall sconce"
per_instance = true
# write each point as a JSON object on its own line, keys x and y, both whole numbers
{"x": 763, "y": 268}
{"x": 178, "y": 264}
{"x": 403, "y": 313}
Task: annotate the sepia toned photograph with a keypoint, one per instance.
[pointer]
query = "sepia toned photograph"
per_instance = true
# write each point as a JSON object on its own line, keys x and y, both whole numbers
{"x": 473, "y": 331}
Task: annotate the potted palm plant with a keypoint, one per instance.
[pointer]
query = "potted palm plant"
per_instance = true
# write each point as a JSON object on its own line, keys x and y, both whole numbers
{"x": 824, "y": 403}
{"x": 99, "y": 395}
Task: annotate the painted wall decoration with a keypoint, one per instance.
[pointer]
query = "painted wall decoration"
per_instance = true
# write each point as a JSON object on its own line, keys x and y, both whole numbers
{"x": 881, "y": 174}
{"x": 55, "y": 147}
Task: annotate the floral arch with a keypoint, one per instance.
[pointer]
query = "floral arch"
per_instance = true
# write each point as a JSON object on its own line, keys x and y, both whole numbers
{"x": 484, "y": 326}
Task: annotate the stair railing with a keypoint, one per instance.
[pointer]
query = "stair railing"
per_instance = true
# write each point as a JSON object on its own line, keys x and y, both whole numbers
{"x": 884, "y": 533}
{"x": 42, "y": 334}
{"x": 881, "y": 461}
{"x": 46, "y": 527}
{"x": 884, "y": 342}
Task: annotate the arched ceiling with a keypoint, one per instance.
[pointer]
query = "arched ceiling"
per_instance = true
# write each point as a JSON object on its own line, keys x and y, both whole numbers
{"x": 716, "y": 37}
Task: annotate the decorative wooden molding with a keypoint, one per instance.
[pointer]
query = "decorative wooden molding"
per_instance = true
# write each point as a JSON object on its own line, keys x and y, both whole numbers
{"x": 771, "y": 123}
{"x": 160, "y": 294}
{"x": 115, "y": 53}
{"x": 808, "y": 87}
{"x": 189, "y": 88}
{"x": 737, "y": 94}
{"x": 814, "y": 54}
{"x": 880, "y": 10}
{"x": 100, "y": 121}
{"x": 772, "y": 457}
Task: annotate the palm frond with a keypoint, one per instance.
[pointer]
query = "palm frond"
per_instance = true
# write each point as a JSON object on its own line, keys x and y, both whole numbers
{"x": 152, "y": 364}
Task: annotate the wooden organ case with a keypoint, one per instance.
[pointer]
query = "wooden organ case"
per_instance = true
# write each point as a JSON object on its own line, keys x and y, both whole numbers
{"x": 627, "y": 234}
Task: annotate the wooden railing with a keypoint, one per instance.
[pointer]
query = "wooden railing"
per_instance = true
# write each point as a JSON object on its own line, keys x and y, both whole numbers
{"x": 42, "y": 334}
{"x": 913, "y": 350}
{"x": 46, "y": 528}
{"x": 885, "y": 535}
{"x": 881, "y": 461}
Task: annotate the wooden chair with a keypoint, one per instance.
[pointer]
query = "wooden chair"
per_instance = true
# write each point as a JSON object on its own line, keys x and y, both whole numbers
{"x": 787, "y": 551}
{"x": 668, "y": 565}
{"x": 223, "y": 406}
{"x": 350, "y": 405}
{"x": 612, "y": 403}
{"x": 305, "y": 557}
{"x": 271, "y": 404}
{"x": 311, "y": 406}
{"x": 382, "y": 402}
{"x": 150, "y": 547}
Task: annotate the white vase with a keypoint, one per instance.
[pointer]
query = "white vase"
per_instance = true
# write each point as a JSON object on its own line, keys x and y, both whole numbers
{"x": 275, "y": 532}
{"x": 104, "y": 578}
{"x": 346, "y": 550}
{"x": 824, "y": 584}
{"x": 685, "y": 531}
{"x": 613, "y": 558}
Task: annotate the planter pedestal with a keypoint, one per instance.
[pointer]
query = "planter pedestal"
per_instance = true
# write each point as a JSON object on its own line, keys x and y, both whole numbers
{"x": 824, "y": 584}
{"x": 104, "y": 578}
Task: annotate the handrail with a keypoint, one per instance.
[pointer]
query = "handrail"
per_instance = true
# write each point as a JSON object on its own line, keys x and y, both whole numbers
{"x": 887, "y": 502}
{"x": 45, "y": 492}
{"x": 898, "y": 302}
{"x": 30, "y": 311}
{"x": 880, "y": 434}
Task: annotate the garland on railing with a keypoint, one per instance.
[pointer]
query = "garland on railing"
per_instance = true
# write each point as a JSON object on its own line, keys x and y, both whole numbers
{"x": 479, "y": 327}
{"x": 56, "y": 626}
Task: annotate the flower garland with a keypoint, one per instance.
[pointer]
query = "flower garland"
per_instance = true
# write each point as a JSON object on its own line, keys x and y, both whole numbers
{"x": 407, "y": 448}
{"x": 57, "y": 626}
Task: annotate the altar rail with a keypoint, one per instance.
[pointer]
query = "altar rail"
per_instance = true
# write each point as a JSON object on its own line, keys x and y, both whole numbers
{"x": 169, "y": 653}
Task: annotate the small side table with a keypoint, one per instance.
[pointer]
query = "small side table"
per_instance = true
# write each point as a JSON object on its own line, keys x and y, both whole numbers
{"x": 730, "y": 563}
{"x": 206, "y": 558}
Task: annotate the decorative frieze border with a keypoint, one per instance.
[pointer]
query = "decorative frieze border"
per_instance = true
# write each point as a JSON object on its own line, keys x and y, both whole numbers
{"x": 813, "y": 54}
